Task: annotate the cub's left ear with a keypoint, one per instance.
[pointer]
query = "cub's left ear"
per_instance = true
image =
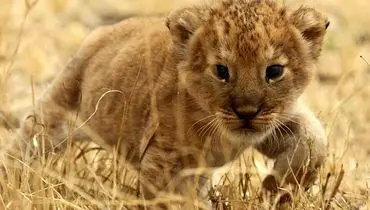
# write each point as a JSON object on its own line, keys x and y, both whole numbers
{"x": 312, "y": 25}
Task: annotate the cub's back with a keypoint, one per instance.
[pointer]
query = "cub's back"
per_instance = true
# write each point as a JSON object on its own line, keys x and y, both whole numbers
{"x": 125, "y": 61}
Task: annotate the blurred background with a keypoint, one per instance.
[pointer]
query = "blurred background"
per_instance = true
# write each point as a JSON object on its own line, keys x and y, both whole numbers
{"x": 38, "y": 37}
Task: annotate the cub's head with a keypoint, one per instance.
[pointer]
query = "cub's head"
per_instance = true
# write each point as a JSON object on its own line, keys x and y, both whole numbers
{"x": 246, "y": 61}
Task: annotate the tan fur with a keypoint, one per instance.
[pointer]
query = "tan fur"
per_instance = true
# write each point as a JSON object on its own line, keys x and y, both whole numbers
{"x": 148, "y": 86}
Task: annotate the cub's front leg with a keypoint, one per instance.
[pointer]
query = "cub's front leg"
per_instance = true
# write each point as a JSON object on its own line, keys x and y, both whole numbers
{"x": 298, "y": 148}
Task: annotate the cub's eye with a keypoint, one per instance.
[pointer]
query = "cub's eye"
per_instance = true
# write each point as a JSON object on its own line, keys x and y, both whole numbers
{"x": 274, "y": 73}
{"x": 222, "y": 72}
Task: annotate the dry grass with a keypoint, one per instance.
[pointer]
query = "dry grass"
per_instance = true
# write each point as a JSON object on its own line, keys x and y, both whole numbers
{"x": 36, "y": 39}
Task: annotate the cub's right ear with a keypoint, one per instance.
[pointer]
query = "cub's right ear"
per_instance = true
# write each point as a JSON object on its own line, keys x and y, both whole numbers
{"x": 183, "y": 23}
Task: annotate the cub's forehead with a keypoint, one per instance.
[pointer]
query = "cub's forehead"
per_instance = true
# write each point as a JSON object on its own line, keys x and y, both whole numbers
{"x": 245, "y": 13}
{"x": 249, "y": 27}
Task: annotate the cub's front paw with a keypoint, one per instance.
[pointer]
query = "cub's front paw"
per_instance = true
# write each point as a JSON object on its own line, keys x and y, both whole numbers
{"x": 270, "y": 183}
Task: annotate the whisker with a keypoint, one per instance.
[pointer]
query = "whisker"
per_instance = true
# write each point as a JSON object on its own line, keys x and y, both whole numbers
{"x": 212, "y": 127}
{"x": 217, "y": 123}
{"x": 205, "y": 118}
{"x": 274, "y": 137}
{"x": 200, "y": 121}
{"x": 215, "y": 129}
{"x": 278, "y": 123}
{"x": 203, "y": 130}
{"x": 286, "y": 128}
{"x": 289, "y": 119}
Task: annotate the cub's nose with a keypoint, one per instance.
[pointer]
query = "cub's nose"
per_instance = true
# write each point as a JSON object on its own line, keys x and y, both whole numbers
{"x": 246, "y": 113}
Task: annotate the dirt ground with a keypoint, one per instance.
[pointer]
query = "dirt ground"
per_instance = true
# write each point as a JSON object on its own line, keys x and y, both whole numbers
{"x": 38, "y": 37}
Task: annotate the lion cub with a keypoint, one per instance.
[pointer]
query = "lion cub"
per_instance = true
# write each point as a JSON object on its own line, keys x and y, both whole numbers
{"x": 193, "y": 90}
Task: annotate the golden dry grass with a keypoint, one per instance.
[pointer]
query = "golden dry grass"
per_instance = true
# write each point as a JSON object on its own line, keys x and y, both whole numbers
{"x": 36, "y": 42}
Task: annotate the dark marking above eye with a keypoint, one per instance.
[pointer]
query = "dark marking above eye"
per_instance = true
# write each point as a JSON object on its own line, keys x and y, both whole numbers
{"x": 222, "y": 72}
{"x": 226, "y": 27}
{"x": 274, "y": 73}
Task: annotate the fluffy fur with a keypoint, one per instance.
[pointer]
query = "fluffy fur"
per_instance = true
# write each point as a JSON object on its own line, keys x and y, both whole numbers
{"x": 148, "y": 88}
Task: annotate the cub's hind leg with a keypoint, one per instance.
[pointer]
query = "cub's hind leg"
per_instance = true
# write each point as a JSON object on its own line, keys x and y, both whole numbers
{"x": 47, "y": 127}
{"x": 52, "y": 113}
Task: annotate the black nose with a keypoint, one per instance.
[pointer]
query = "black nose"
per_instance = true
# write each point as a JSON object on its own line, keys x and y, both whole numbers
{"x": 246, "y": 113}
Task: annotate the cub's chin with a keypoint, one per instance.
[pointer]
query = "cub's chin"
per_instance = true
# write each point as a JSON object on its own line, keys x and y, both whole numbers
{"x": 248, "y": 134}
